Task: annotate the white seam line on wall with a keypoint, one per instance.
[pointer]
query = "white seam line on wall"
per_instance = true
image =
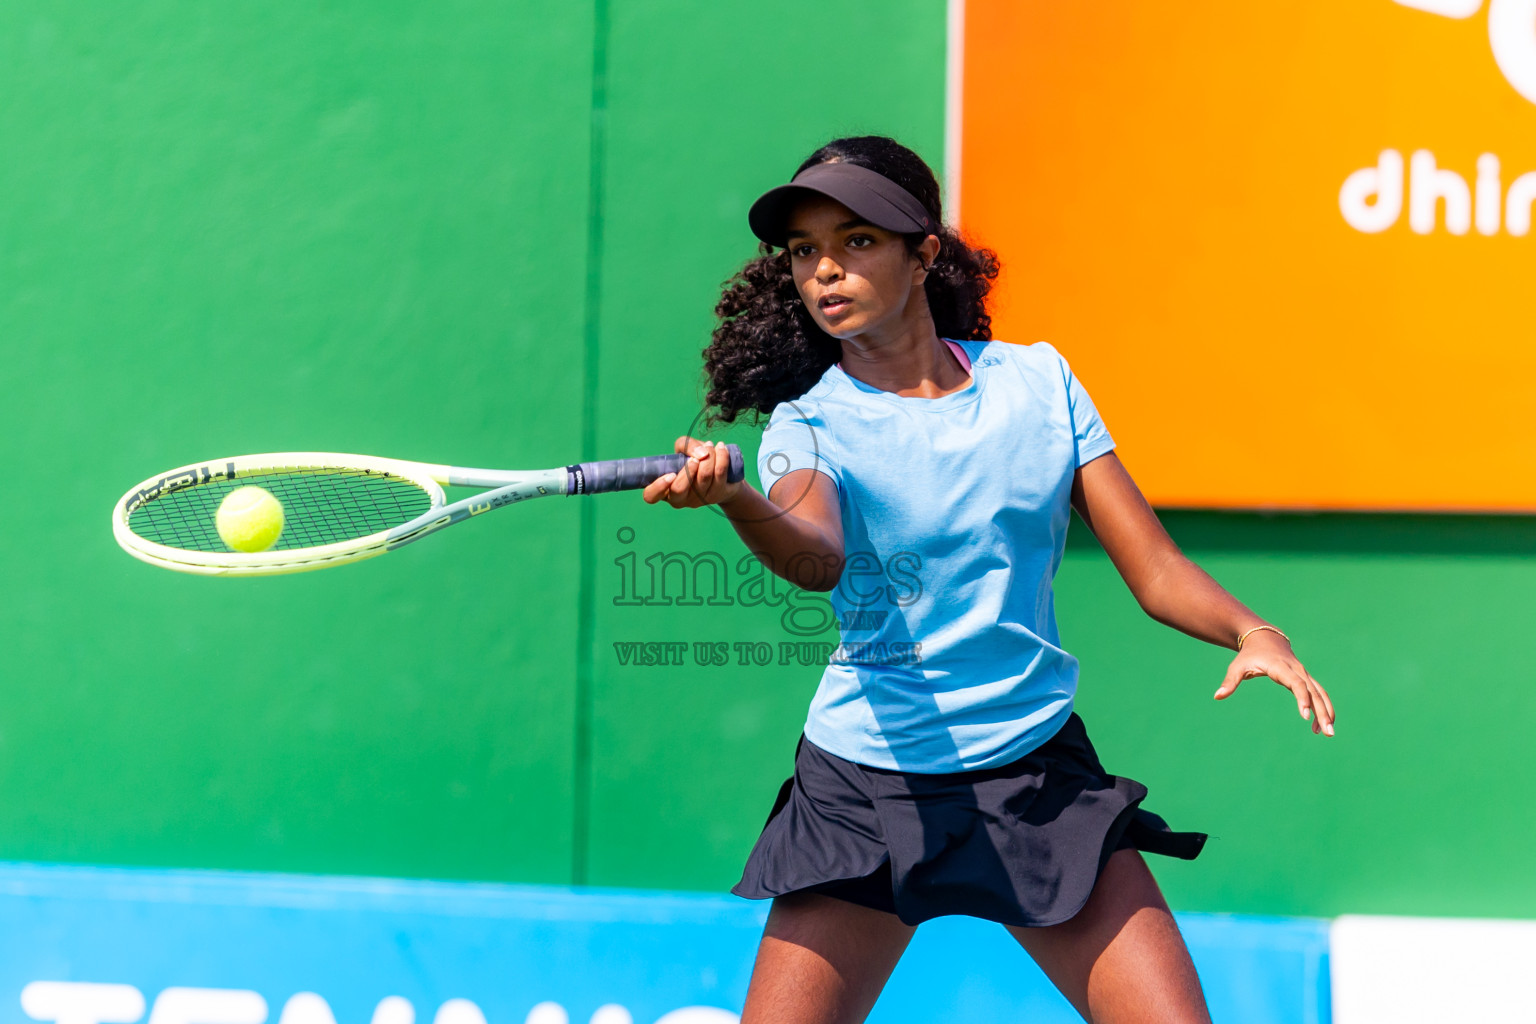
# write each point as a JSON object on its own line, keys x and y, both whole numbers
{"x": 954, "y": 79}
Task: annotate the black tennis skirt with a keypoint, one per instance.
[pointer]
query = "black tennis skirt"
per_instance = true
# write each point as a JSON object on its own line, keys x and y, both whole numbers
{"x": 1022, "y": 844}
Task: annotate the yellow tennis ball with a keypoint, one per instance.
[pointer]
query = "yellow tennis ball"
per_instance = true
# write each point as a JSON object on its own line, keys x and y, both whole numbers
{"x": 249, "y": 519}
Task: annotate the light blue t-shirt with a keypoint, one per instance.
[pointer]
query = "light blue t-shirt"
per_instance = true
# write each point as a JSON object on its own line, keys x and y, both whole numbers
{"x": 955, "y": 513}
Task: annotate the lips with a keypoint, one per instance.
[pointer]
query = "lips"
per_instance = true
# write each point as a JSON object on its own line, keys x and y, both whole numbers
{"x": 834, "y": 304}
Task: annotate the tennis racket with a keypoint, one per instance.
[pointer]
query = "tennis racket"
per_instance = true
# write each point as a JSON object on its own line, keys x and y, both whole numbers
{"x": 339, "y": 509}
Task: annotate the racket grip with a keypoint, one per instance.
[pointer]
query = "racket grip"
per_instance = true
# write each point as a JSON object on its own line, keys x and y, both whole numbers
{"x": 634, "y": 474}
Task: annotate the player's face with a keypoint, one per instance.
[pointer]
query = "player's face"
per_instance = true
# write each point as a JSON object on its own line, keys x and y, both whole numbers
{"x": 852, "y": 276}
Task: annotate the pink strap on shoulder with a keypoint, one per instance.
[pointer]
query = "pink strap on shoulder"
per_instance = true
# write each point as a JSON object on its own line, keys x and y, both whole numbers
{"x": 965, "y": 360}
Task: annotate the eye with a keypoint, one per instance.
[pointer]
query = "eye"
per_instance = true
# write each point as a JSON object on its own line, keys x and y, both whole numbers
{"x": 860, "y": 241}
{"x": 800, "y": 251}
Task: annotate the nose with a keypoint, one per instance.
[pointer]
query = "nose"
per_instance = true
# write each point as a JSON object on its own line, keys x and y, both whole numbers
{"x": 827, "y": 271}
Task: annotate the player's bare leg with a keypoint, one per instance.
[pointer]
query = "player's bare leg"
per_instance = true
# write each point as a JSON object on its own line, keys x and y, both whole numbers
{"x": 1121, "y": 960}
{"x": 822, "y": 961}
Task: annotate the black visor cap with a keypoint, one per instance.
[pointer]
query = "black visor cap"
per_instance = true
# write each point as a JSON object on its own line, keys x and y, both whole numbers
{"x": 871, "y": 195}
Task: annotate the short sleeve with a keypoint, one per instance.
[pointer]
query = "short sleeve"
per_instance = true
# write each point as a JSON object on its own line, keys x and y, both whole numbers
{"x": 796, "y": 438}
{"x": 1090, "y": 436}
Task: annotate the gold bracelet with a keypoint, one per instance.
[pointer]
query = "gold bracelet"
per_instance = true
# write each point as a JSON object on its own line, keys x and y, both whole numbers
{"x": 1254, "y": 630}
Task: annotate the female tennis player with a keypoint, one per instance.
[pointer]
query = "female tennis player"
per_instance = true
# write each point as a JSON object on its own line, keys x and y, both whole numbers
{"x": 924, "y": 475}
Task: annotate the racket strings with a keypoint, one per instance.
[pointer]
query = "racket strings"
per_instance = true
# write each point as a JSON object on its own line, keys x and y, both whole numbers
{"x": 320, "y": 506}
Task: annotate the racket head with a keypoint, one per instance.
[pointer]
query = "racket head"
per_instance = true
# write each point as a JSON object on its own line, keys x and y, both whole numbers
{"x": 337, "y": 508}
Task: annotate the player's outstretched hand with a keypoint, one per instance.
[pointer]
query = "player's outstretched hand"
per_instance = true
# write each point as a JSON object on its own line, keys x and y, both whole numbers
{"x": 1267, "y": 654}
{"x": 701, "y": 481}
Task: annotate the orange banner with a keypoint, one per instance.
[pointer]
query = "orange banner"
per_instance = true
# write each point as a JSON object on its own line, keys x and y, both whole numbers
{"x": 1287, "y": 247}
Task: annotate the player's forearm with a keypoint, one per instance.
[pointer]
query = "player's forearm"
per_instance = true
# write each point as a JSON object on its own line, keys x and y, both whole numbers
{"x": 794, "y": 548}
{"x": 1183, "y": 595}
{"x": 1167, "y": 585}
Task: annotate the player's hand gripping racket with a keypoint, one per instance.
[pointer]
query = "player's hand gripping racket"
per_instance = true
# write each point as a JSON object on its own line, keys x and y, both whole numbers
{"x": 341, "y": 508}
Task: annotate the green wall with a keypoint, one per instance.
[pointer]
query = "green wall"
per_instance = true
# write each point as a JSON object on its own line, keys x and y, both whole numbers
{"x": 493, "y": 235}
{"x": 355, "y": 226}
{"x": 1417, "y": 626}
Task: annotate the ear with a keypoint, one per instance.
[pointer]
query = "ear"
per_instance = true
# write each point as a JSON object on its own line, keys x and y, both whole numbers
{"x": 927, "y": 252}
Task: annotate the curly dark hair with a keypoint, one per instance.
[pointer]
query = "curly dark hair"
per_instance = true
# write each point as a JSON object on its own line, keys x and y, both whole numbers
{"x": 767, "y": 349}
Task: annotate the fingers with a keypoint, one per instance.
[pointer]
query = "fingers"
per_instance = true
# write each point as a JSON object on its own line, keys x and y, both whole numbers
{"x": 1228, "y": 687}
{"x": 1322, "y": 706}
{"x": 721, "y": 457}
{"x": 703, "y": 465}
{"x": 1303, "y": 697}
{"x": 675, "y": 488}
{"x": 656, "y": 489}
{"x": 1321, "y": 693}
{"x": 1312, "y": 701}
{"x": 703, "y": 479}
{"x": 1309, "y": 700}
{"x": 681, "y": 484}
{"x": 708, "y": 470}
{"x": 1298, "y": 687}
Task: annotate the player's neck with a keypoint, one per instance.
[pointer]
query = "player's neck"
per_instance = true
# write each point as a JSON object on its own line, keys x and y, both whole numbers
{"x": 905, "y": 357}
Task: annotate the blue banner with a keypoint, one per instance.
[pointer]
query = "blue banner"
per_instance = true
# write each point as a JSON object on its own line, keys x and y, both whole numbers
{"x": 123, "y": 946}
